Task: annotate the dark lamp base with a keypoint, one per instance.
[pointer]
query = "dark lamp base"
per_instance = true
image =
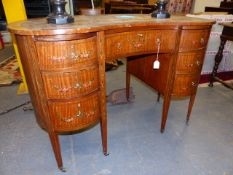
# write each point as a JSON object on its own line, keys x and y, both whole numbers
{"x": 60, "y": 20}
{"x": 161, "y": 10}
{"x": 160, "y": 15}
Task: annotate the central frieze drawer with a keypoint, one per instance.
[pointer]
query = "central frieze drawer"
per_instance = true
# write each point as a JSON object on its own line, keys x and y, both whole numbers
{"x": 131, "y": 43}
{"x": 64, "y": 85}
{"x": 75, "y": 114}
{"x": 193, "y": 40}
{"x": 66, "y": 54}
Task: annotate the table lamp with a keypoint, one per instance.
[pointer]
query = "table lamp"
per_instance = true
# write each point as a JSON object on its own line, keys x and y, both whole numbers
{"x": 58, "y": 14}
{"x": 160, "y": 12}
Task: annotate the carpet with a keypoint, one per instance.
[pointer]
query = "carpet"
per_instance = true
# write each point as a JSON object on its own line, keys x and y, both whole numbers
{"x": 119, "y": 96}
{"x": 9, "y": 72}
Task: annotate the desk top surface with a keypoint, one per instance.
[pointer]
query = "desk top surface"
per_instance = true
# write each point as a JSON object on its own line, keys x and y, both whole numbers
{"x": 85, "y": 24}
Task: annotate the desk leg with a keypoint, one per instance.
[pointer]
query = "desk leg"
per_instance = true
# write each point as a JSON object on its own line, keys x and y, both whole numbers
{"x": 127, "y": 82}
{"x": 56, "y": 149}
{"x": 218, "y": 59}
{"x": 166, "y": 104}
{"x": 158, "y": 96}
{"x": 102, "y": 80}
{"x": 191, "y": 102}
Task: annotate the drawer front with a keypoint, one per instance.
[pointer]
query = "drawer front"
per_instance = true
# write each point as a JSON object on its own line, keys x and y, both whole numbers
{"x": 185, "y": 85}
{"x": 166, "y": 38}
{"x": 190, "y": 62}
{"x": 131, "y": 43}
{"x": 75, "y": 114}
{"x": 63, "y": 85}
{"x": 193, "y": 40}
{"x": 66, "y": 54}
{"x": 117, "y": 45}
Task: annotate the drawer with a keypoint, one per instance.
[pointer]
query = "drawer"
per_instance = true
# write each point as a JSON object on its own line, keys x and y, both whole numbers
{"x": 189, "y": 62}
{"x": 66, "y": 54}
{"x": 64, "y": 85}
{"x": 116, "y": 45}
{"x": 185, "y": 85}
{"x": 75, "y": 114}
{"x": 167, "y": 39}
{"x": 193, "y": 40}
{"x": 138, "y": 42}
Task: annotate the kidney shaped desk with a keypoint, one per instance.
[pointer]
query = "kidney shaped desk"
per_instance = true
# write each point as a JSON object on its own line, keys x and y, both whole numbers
{"x": 65, "y": 65}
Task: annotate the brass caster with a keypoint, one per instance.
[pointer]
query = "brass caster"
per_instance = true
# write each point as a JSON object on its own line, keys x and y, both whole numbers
{"x": 62, "y": 169}
{"x": 106, "y": 153}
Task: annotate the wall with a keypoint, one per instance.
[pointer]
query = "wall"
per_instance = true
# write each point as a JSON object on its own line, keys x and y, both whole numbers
{"x": 199, "y": 5}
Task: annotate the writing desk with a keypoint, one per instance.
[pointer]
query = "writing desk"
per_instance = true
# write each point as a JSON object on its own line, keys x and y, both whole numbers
{"x": 64, "y": 65}
{"x": 227, "y": 34}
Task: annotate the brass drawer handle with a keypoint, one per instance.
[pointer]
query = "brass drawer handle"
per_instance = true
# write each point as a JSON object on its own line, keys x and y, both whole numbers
{"x": 76, "y": 56}
{"x": 198, "y": 63}
{"x": 79, "y": 114}
{"x": 69, "y": 118}
{"x": 62, "y": 89}
{"x": 85, "y": 55}
{"x": 77, "y": 85}
{"x": 189, "y": 65}
{"x": 137, "y": 45}
{"x": 85, "y": 85}
{"x": 140, "y": 34}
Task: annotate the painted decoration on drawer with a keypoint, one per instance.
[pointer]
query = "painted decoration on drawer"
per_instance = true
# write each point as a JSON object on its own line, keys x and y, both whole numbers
{"x": 185, "y": 85}
{"x": 65, "y": 85}
{"x": 189, "y": 62}
{"x": 75, "y": 114}
{"x": 131, "y": 43}
{"x": 66, "y": 54}
{"x": 193, "y": 40}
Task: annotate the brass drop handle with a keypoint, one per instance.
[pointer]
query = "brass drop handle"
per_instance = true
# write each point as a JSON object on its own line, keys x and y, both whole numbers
{"x": 202, "y": 41}
{"x": 198, "y": 63}
{"x": 156, "y": 63}
{"x": 79, "y": 113}
{"x": 118, "y": 45}
{"x": 194, "y": 84}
